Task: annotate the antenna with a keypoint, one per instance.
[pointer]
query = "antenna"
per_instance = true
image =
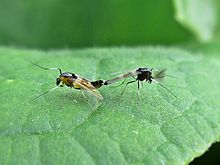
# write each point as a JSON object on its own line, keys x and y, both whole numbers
{"x": 164, "y": 87}
{"x": 44, "y": 67}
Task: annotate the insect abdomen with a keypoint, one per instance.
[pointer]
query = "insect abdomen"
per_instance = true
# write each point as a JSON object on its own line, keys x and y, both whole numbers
{"x": 97, "y": 84}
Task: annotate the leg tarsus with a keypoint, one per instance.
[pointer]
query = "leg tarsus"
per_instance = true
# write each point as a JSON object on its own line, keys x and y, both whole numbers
{"x": 139, "y": 94}
{"x": 84, "y": 95}
{"x": 126, "y": 86}
{"x": 142, "y": 84}
{"x": 121, "y": 83}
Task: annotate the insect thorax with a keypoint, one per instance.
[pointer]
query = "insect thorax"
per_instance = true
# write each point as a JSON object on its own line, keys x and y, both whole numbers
{"x": 145, "y": 74}
{"x": 67, "y": 78}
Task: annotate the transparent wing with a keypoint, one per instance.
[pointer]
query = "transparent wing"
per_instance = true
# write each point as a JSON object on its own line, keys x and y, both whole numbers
{"x": 159, "y": 75}
{"x": 86, "y": 85}
{"x": 121, "y": 72}
{"x": 123, "y": 76}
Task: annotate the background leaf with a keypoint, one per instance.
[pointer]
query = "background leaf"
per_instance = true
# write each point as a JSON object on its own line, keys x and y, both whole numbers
{"x": 199, "y": 16}
{"x": 153, "y": 129}
{"x": 74, "y": 23}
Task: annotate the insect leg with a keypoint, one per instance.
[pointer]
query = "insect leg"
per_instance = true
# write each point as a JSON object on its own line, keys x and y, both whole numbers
{"x": 121, "y": 83}
{"x": 124, "y": 81}
{"x": 126, "y": 86}
{"x": 84, "y": 95}
{"x": 86, "y": 98}
{"x": 44, "y": 93}
{"x": 139, "y": 94}
{"x": 138, "y": 85}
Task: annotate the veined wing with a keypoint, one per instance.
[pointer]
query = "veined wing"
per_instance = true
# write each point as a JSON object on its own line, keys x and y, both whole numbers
{"x": 159, "y": 75}
{"x": 86, "y": 85}
{"x": 123, "y": 76}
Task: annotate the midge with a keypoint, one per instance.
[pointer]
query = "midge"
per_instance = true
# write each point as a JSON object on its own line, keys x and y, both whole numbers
{"x": 142, "y": 74}
{"x": 74, "y": 81}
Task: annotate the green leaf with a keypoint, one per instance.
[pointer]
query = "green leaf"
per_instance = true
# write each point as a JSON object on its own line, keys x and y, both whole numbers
{"x": 199, "y": 16}
{"x": 63, "y": 128}
{"x": 68, "y": 23}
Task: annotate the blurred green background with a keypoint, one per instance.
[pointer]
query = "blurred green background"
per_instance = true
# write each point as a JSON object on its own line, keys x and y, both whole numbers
{"x": 84, "y": 23}
{"x": 54, "y": 24}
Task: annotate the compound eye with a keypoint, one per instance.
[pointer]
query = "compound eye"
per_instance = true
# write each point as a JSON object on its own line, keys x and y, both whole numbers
{"x": 73, "y": 75}
{"x": 58, "y": 81}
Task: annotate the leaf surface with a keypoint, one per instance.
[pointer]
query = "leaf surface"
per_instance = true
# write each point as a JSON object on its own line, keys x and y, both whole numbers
{"x": 63, "y": 128}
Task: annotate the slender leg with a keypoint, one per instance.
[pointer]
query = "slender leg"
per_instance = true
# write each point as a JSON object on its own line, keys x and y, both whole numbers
{"x": 126, "y": 86}
{"x": 139, "y": 94}
{"x": 124, "y": 82}
{"x": 121, "y": 83}
{"x": 87, "y": 100}
{"x": 44, "y": 93}
{"x": 84, "y": 95}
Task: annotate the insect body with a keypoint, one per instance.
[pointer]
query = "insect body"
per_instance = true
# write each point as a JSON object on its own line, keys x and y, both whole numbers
{"x": 74, "y": 81}
{"x": 141, "y": 74}
{"x": 97, "y": 83}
